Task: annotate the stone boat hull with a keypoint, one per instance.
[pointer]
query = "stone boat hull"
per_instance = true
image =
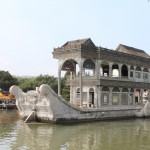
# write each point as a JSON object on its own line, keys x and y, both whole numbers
{"x": 44, "y": 105}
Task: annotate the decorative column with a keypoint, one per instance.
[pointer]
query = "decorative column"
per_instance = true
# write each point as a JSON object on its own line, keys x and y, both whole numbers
{"x": 110, "y": 96}
{"x": 97, "y": 69}
{"x": 141, "y": 95}
{"x": 81, "y": 90}
{"x": 88, "y": 98}
{"x": 71, "y": 89}
{"x": 99, "y": 91}
{"x": 142, "y": 79}
{"x": 128, "y": 71}
{"x": 120, "y": 93}
{"x": 149, "y": 75}
{"x": 120, "y": 66}
{"x": 129, "y": 97}
{"x": 134, "y": 97}
{"x": 148, "y": 95}
{"x": 59, "y": 82}
{"x": 99, "y": 73}
{"x": 95, "y": 97}
{"x": 134, "y": 74}
{"x": 110, "y": 69}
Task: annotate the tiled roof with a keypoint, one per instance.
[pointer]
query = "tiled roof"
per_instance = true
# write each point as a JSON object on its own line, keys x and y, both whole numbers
{"x": 131, "y": 50}
{"x": 75, "y": 42}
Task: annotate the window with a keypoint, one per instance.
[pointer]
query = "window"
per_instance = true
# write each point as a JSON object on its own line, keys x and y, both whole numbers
{"x": 131, "y": 74}
{"x": 124, "y": 99}
{"x": 105, "y": 99}
{"x": 145, "y": 76}
{"x": 115, "y": 99}
{"x": 78, "y": 93}
{"x": 138, "y": 75}
{"x": 131, "y": 99}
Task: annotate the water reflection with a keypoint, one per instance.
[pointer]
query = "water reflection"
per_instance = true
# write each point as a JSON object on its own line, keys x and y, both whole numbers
{"x": 110, "y": 135}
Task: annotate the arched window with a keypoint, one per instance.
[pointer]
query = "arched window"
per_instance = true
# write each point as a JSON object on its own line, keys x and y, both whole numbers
{"x": 145, "y": 74}
{"x": 138, "y": 69}
{"x": 68, "y": 66}
{"x": 116, "y": 89}
{"x": 124, "y": 71}
{"x": 124, "y": 96}
{"x": 106, "y": 89}
{"x": 131, "y": 68}
{"x": 124, "y": 90}
{"x": 131, "y": 90}
{"x": 115, "y": 70}
{"x": 88, "y": 64}
{"x": 89, "y": 67}
{"x": 105, "y": 68}
{"x": 138, "y": 72}
{"x": 145, "y": 70}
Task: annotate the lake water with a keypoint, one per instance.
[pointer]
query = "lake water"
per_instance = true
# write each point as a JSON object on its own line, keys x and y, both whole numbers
{"x": 133, "y": 134}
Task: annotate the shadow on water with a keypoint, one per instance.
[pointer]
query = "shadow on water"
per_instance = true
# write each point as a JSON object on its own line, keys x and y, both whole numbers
{"x": 108, "y": 135}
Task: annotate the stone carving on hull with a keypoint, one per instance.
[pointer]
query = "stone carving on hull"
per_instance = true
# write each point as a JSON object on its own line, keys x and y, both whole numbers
{"x": 31, "y": 98}
{"x": 44, "y": 90}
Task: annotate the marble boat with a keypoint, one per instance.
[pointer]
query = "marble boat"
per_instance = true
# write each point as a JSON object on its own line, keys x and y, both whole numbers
{"x": 44, "y": 105}
{"x": 104, "y": 84}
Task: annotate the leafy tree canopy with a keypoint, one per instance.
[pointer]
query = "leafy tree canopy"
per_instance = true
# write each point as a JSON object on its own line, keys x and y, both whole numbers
{"x": 27, "y": 84}
{"x": 7, "y": 80}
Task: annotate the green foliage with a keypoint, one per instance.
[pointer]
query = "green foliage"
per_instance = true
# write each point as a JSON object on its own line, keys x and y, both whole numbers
{"x": 27, "y": 84}
{"x": 66, "y": 93}
{"x": 7, "y": 80}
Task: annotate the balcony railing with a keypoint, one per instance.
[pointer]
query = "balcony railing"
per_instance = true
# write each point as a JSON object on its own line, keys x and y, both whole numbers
{"x": 98, "y": 77}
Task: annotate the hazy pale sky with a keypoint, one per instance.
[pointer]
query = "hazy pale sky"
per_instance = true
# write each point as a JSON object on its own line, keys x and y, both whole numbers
{"x": 30, "y": 29}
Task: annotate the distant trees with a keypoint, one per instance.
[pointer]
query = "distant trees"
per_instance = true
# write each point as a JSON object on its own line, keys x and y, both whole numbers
{"x": 26, "y": 84}
{"x": 7, "y": 80}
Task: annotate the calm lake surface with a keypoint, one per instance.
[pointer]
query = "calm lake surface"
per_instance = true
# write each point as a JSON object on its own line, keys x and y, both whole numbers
{"x": 108, "y": 135}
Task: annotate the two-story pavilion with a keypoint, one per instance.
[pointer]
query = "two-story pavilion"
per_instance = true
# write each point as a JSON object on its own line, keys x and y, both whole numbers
{"x": 103, "y": 77}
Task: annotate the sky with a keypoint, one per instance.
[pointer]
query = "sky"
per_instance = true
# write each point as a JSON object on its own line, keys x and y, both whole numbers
{"x": 30, "y": 29}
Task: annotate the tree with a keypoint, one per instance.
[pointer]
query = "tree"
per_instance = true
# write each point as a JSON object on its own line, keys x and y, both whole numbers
{"x": 27, "y": 84}
{"x": 65, "y": 89}
{"x": 66, "y": 93}
{"x": 7, "y": 80}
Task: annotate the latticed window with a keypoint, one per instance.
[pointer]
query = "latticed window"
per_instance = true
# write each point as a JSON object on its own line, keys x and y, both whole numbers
{"x": 145, "y": 75}
{"x": 138, "y": 75}
{"x": 124, "y": 98}
{"x": 105, "y": 99}
{"x": 105, "y": 96}
{"x": 115, "y": 99}
{"x": 131, "y": 74}
{"x": 115, "y": 96}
